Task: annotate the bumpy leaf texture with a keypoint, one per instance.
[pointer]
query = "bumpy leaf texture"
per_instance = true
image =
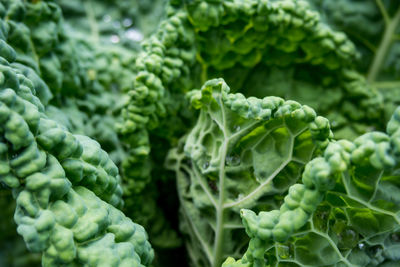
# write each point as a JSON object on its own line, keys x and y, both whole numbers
{"x": 85, "y": 75}
{"x": 94, "y": 65}
{"x": 373, "y": 26}
{"x": 114, "y": 30}
{"x": 340, "y": 208}
{"x": 64, "y": 184}
{"x": 242, "y": 153}
{"x": 271, "y": 47}
{"x": 266, "y": 47}
{"x": 205, "y": 39}
{"x": 345, "y": 213}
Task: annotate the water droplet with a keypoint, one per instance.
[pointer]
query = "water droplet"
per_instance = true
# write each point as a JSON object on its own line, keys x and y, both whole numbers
{"x": 323, "y": 215}
{"x": 106, "y": 18}
{"x": 320, "y": 218}
{"x": 232, "y": 160}
{"x": 134, "y": 35}
{"x": 395, "y": 237}
{"x": 127, "y": 22}
{"x": 361, "y": 246}
{"x": 333, "y": 123}
{"x": 284, "y": 252}
{"x": 236, "y": 128}
{"x": 114, "y": 39}
{"x": 13, "y": 156}
{"x": 116, "y": 24}
{"x": 206, "y": 165}
{"x": 348, "y": 239}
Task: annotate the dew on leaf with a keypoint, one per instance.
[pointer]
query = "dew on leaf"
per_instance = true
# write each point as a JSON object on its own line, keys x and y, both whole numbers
{"x": 361, "y": 246}
{"x": 134, "y": 35}
{"x": 206, "y": 165}
{"x": 236, "y": 128}
{"x": 395, "y": 237}
{"x": 232, "y": 160}
{"x": 114, "y": 39}
{"x": 284, "y": 252}
{"x": 127, "y": 22}
{"x": 348, "y": 238}
{"x": 116, "y": 24}
{"x": 106, "y": 18}
{"x": 320, "y": 218}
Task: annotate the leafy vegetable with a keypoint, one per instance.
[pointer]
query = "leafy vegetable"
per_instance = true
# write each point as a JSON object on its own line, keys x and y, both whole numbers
{"x": 220, "y": 38}
{"x": 373, "y": 26}
{"x": 357, "y": 222}
{"x": 243, "y": 176}
{"x": 36, "y": 219}
{"x": 222, "y": 166}
{"x": 46, "y": 166}
{"x": 245, "y": 153}
{"x": 247, "y": 44}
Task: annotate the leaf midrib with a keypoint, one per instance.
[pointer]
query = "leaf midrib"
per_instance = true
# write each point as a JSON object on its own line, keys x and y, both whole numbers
{"x": 219, "y": 232}
{"x": 221, "y": 206}
{"x": 385, "y": 44}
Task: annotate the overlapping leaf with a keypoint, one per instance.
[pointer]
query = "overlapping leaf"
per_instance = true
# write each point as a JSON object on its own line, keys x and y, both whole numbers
{"x": 242, "y": 153}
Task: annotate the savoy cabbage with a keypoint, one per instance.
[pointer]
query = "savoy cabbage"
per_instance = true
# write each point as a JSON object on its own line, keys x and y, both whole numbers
{"x": 234, "y": 133}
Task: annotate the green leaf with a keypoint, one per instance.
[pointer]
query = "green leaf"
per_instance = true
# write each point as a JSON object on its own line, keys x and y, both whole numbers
{"x": 240, "y": 154}
{"x": 352, "y": 225}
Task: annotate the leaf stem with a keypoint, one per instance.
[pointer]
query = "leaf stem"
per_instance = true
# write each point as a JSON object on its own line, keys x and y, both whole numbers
{"x": 219, "y": 233}
{"x": 383, "y": 47}
{"x": 384, "y": 13}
